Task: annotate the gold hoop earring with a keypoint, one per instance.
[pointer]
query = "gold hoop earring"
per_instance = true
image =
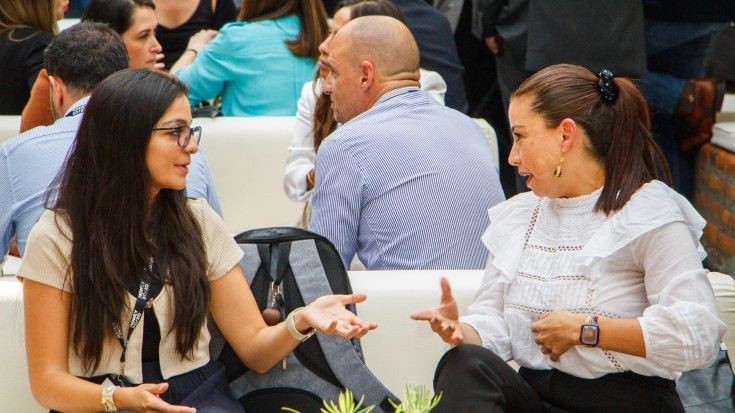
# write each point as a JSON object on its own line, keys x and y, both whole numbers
{"x": 557, "y": 171}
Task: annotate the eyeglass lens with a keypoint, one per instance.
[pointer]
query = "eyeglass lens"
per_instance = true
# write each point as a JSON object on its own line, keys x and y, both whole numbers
{"x": 185, "y": 133}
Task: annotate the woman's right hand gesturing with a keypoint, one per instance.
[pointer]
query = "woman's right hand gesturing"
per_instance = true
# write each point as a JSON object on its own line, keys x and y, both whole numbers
{"x": 144, "y": 398}
{"x": 444, "y": 319}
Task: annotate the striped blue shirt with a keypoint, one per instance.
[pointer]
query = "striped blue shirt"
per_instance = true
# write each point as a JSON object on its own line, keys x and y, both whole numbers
{"x": 31, "y": 160}
{"x": 406, "y": 185}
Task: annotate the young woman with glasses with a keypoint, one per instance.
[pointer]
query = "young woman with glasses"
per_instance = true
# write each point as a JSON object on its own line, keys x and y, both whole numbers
{"x": 123, "y": 249}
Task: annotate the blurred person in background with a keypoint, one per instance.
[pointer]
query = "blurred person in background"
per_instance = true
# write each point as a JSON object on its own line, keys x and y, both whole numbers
{"x": 26, "y": 28}
{"x": 260, "y": 63}
{"x": 134, "y": 20}
{"x": 179, "y": 20}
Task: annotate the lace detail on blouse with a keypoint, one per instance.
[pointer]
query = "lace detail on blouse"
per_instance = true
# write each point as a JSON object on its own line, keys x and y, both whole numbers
{"x": 547, "y": 275}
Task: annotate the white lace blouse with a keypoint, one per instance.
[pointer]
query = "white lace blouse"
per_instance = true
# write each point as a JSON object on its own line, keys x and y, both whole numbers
{"x": 642, "y": 262}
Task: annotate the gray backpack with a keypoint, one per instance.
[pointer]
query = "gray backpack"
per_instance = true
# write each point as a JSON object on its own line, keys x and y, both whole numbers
{"x": 286, "y": 268}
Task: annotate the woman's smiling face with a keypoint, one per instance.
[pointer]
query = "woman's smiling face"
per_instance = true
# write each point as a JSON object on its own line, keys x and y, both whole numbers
{"x": 168, "y": 163}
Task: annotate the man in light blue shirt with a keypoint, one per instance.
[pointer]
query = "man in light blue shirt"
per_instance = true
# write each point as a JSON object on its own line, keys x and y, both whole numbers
{"x": 404, "y": 183}
{"x": 77, "y": 60}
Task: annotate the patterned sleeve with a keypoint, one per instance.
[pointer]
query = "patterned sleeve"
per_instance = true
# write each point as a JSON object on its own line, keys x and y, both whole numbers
{"x": 336, "y": 203}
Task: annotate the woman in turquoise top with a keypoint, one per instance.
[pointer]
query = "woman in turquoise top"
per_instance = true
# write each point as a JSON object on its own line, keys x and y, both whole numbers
{"x": 259, "y": 63}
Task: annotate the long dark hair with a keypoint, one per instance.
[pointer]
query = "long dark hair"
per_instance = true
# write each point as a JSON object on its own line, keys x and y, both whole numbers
{"x": 104, "y": 195}
{"x": 619, "y": 132}
{"x": 324, "y": 123}
{"x": 118, "y": 14}
{"x": 312, "y": 19}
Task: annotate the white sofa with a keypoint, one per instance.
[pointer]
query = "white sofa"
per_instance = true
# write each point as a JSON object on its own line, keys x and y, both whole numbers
{"x": 247, "y": 157}
{"x": 401, "y": 351}
{"x": 9, "y": 127}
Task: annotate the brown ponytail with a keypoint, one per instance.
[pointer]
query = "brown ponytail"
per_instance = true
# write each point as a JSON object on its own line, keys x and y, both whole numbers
{"x": 616, "y": 121}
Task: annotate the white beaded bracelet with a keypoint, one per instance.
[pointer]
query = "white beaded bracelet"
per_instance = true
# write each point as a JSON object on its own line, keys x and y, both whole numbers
{"x": 291, "y": 326}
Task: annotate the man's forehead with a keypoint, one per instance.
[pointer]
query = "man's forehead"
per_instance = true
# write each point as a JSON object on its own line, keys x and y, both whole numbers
{"x": 337, "y": 50}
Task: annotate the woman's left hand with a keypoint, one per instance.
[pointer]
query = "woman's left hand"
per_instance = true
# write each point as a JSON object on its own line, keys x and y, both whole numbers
{"x": 329, "y": 315}
{"x": 557, "y": 331}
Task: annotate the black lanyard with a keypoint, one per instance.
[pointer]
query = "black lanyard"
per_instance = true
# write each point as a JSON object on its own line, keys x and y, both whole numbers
{"x": 140, "y": 304}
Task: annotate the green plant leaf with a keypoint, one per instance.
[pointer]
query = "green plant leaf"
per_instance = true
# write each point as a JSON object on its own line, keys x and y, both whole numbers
{"x": 417, "y": 400}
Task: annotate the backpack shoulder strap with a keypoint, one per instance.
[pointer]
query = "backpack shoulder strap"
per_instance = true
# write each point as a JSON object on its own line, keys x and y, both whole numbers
{"x": 342, "y": 357}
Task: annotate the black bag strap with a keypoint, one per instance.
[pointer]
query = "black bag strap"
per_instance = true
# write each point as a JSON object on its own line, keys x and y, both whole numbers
{"x": 274, "y": 257}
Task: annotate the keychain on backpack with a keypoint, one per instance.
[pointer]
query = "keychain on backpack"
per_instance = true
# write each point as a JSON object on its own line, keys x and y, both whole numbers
{"x": 272, "y": 315}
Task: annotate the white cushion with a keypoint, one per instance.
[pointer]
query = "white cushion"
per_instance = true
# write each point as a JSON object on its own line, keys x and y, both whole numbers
{"x": 247, "y": 156}
{"x": 724, "y": 287}
{"x": 15, "y": 392}
{"x": 9, "y": 127}
{"x": 403, "y": 351}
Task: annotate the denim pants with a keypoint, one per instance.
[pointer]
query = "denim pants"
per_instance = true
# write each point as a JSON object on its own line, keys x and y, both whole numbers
{"x": 675, "y": 53}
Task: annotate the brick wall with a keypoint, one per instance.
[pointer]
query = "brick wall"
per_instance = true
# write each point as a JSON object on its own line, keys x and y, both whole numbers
{"x": 714, "y": 198}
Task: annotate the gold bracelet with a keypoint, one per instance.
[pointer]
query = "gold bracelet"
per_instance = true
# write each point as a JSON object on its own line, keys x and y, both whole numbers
{"x": 107, "y": 400}
{"x": 309, "y": 179}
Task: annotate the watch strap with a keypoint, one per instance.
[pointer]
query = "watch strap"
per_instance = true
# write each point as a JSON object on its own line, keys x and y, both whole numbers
{"x": 291, "y": 326}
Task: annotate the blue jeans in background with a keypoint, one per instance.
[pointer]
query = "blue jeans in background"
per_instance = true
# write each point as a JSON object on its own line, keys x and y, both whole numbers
{"x": 675, "y": 54}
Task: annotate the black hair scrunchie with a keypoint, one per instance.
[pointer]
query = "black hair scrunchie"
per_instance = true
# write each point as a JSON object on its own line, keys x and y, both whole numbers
{"x": 607, "y": 87}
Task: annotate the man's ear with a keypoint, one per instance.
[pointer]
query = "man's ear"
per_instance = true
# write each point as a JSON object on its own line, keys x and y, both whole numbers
{"x": 58, "y": 91}
{"x": 367, "y": 74}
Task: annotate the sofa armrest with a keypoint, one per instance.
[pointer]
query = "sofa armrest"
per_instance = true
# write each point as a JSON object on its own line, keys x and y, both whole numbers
{"x": 403, "y": 351}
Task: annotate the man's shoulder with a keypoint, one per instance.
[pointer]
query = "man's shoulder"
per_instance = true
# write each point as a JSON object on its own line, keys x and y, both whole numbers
{"x": 394, "y": 111}
{"x": 44, "y": 148}
{"x": 30, "y": 139}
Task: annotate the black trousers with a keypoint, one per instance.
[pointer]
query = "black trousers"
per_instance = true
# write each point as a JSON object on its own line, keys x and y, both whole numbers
{"x": 473, "y": 379}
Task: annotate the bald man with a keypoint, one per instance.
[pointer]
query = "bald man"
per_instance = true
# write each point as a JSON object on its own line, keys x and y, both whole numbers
{"x": 405, "y": 182}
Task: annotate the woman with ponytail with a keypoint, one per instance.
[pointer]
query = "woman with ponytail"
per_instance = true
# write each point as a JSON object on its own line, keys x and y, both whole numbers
{"x": 594, "y": 283}
{"x": 259, "y": 63}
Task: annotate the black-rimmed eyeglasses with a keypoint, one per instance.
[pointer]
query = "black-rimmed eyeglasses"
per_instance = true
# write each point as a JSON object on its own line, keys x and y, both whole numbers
{"x": 184, "y": 134}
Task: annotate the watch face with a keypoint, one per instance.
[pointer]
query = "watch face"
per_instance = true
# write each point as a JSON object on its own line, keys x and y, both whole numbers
{"x": 589, "y": 335}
